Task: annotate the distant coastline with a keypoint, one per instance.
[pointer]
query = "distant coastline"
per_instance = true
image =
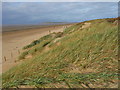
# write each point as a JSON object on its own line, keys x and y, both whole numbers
{"x": 9, "y": 28}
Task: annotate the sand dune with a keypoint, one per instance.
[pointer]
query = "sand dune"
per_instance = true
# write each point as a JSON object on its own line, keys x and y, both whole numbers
{"x": 14, "y": 41}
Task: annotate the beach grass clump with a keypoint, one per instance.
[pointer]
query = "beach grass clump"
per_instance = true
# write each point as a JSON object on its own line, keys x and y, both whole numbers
{"x": 46, "y": 43}
{"x": 59, "y": 34}
{"x": 39, "y": 47}
{"x": 46, "y": 37}
{"x": 84, "y": 58}
{"x": 22, "y": 56}
{"x": 37, "y": 41}
{"x": 73, "y": 28}
{"x": 32, "y": 51}
{"x": 32, "y": 44}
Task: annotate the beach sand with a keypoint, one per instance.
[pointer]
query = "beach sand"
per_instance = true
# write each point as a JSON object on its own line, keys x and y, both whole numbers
{"x": 14, "y": 41}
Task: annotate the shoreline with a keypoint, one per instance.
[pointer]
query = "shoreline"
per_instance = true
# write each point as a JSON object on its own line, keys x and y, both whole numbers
{"x": 28, "y": 27}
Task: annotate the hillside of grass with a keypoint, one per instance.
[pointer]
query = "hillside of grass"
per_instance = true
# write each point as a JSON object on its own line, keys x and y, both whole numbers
{"x": 85, "y": 55}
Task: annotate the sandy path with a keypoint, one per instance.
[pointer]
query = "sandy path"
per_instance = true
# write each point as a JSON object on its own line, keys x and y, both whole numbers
{"x": 13, "y": 42}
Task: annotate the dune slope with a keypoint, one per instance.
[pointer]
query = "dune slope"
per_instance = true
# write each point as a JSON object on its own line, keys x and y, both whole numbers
{"x": 84, "y": 55}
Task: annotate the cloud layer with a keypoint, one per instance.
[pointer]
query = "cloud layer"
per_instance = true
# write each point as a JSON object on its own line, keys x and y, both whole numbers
{"x": 35, "y": 13}
{"x": 60, "y": 0}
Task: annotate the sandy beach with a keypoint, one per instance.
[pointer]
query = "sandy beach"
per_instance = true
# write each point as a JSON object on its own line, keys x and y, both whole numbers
{"x": 14, "y": 41}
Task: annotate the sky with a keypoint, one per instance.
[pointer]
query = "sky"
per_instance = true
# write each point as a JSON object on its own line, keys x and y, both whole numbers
{"x": 60, "y": 0}
{"x": 40, "y": 12}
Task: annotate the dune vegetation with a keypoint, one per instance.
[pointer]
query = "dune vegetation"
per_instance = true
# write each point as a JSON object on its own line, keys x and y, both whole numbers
{"x": 85, "y": 55}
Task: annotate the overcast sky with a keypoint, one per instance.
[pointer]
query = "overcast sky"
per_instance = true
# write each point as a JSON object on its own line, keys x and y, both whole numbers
{"x": 38, "y": 12}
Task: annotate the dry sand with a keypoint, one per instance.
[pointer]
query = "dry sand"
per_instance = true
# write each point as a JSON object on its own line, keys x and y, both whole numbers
{"x": 14, "y": 41}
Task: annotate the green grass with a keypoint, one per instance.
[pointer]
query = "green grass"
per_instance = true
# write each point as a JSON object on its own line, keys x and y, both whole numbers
{"x": 34, "y": 49}
{"x": 37, "y": 41}
{"x": 84, "y": 57}
{"x": 32, "y": 44}
{"x": 44, "y": 38}
{"x": 22, "y": 56}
